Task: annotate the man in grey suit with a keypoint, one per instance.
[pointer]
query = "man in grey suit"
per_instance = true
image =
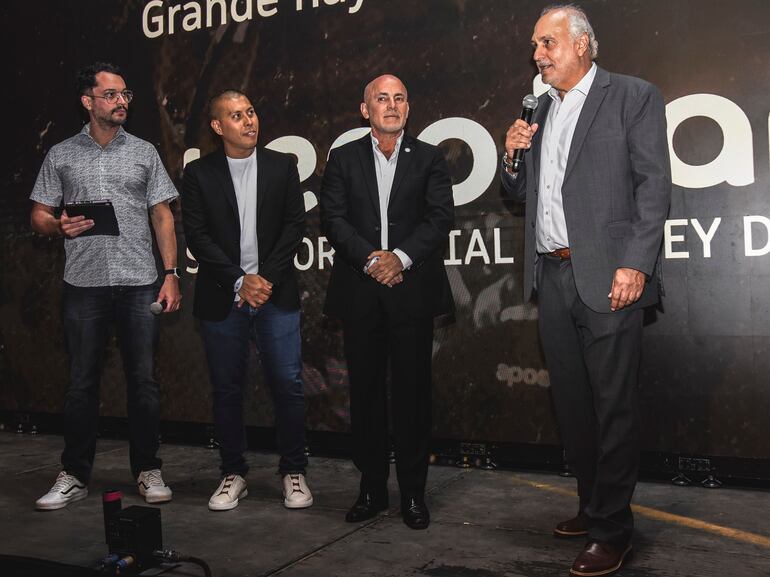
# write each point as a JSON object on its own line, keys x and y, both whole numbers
{"x": 596, "y": 182}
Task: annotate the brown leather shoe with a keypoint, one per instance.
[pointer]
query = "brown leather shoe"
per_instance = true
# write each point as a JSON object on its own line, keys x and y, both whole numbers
{"x": 575, "y": 527}
{"x": 599, "y": 559}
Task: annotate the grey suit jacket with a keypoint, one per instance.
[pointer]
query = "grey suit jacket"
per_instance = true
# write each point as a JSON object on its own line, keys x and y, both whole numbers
{"x": 616, "y": 190}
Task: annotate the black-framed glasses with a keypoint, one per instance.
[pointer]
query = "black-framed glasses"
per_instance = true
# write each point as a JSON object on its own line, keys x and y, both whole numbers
{"x": 112, "y": 96}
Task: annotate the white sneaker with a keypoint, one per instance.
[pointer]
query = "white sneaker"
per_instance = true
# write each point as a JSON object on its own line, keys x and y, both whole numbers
{"x": 230, "y": 491}
{"x": 296, "y": 493}
{"x": 67, "y": 489}
{"x": 152, "y": 487}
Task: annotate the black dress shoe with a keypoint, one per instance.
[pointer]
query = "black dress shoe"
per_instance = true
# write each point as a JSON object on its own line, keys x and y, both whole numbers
{"x": 415, "y": 513}
{"x": 368, "y": 504}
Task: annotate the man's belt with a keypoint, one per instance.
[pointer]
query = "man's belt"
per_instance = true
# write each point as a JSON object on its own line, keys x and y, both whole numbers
{"x": 560, "y": 253}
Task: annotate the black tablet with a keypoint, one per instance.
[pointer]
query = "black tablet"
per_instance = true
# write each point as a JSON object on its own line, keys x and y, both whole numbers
{"x": 101, "y": 212}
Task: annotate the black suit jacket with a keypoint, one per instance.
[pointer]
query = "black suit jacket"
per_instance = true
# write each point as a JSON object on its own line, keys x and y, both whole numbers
{"x": 420, "y": 216}
{"x": 212, "y": 229}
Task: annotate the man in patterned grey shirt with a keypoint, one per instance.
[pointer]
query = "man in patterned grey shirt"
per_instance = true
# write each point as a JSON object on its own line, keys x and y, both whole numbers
{"x": 109, "y": 278}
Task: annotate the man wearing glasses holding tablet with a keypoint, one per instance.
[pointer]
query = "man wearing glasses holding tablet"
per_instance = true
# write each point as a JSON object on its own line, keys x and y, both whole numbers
{"x": 109, "y": 276}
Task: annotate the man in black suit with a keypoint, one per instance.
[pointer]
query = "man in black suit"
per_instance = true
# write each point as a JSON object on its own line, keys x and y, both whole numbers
{"x": 387, "y": 208}
{"x": 597, "y": 185}
{"x": 244, "y": 220}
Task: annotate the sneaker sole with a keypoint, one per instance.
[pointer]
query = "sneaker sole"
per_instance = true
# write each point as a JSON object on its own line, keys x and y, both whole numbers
{"x": 157, "y": 499}
{"x": 56, "y": 506}
{"x": 303, "y": 505}
{"x": 227, "y": 506}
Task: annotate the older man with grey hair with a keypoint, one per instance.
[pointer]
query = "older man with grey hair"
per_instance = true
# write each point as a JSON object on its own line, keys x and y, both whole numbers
{"x": 596, "y": 182}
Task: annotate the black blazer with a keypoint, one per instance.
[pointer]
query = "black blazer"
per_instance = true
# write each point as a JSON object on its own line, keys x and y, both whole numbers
{"x": 212, "y": 229}
{"x": 420, "y": 216}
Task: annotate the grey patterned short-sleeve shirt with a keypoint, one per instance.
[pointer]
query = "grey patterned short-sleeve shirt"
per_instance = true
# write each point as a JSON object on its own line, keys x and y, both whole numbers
{"x": 129, "y": 173}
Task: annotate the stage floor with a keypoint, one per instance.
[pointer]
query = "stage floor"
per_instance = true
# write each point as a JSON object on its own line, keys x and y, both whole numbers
{"x": 484, "y": 523}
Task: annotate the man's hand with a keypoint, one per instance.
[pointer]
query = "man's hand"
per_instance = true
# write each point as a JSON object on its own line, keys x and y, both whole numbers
{"x": 71, "y": 227}
{"x": 397, "y": 279}
{"x": 627, "y": 287}
{"x": 255, "y": 290}
{"x": 387, "y": 269}
{"x": 519, "y": 136}
{"x": 169, "y": 293}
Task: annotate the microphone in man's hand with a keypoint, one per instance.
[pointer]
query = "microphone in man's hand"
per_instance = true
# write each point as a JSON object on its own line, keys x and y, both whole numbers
{"x": 157, "y": 308}
{"x": 528, "y": 110}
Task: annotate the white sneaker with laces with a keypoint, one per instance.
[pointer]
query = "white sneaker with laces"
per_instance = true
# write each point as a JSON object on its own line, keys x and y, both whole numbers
{"x": 230, "y": 491}
{"x": 296, "y": 493}
{"x": 152, "y": 487}
{"x": 67, "y": 489}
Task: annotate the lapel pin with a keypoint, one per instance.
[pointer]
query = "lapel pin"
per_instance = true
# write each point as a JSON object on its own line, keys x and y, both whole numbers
{"x": 407, "y": 149}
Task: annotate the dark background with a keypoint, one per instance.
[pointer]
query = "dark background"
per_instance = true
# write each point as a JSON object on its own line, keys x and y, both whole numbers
{"x": 705, "y": 362}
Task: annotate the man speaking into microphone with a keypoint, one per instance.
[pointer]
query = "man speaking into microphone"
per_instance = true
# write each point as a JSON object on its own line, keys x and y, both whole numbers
{"x": 596, "y": 181}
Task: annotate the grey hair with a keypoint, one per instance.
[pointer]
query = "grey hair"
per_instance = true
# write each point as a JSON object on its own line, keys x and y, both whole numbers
{"x": 578, "y": 25}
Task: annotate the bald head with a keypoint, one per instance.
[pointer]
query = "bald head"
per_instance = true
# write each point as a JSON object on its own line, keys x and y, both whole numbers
{"x": 234, "y": 119}
{"x": 216, "y": 102}
{"x": 374, "y": 84}
{"x": 385, "y": 106}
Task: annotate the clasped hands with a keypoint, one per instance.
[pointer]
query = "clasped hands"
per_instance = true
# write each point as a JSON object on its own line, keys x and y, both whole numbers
{"x": 255, "y": 290}
{"x": 387, "y": 269}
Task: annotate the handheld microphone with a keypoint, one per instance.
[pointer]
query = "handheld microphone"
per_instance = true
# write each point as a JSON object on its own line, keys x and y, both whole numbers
{"x": 157, "y": 308}
{"x": 527, "y": 112}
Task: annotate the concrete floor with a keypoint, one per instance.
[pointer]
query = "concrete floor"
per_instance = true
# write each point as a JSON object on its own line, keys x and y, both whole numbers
{"x": 484, "y": 523}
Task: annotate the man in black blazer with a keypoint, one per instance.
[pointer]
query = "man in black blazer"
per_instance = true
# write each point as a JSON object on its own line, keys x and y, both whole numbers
{"x": 387, "y": 208}
{"x": 244, "y": 220}
{"x": 597, "y": 185}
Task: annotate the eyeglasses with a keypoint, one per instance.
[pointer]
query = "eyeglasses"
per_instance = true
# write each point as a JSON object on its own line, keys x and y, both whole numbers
{"x": 112, "y": 96}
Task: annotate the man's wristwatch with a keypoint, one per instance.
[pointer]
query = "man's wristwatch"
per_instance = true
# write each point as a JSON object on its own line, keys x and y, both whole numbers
{"x": 175, "y": 271}
{"x": 508, "y": 165}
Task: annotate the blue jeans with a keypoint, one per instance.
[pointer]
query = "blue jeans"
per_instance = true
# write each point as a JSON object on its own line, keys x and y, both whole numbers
{"x": 88, "y": 314}
{"x": 276, "y": 332}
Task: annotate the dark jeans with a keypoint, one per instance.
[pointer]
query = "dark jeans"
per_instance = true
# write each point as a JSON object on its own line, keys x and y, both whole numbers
{"x": 88, "y": 314}
{"x": 593, "y": 362}
{"x": 277, "y": 336}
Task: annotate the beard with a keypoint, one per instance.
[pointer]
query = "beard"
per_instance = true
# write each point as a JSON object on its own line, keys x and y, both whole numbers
{"x": 112, "y": 120}
{"x": 118, "y": 120}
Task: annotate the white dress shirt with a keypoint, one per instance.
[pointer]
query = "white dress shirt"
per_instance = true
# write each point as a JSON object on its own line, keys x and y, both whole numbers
{"x": 385, "y": 169}
{"x": 551, "y": 228}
